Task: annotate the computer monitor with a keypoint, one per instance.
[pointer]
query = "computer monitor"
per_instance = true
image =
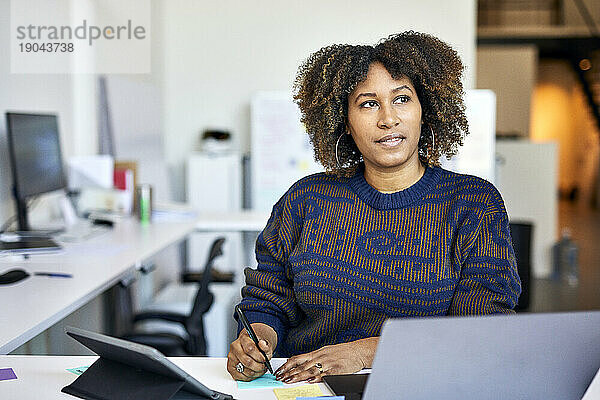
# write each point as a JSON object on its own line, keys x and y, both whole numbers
{"x": 35, "y": 157}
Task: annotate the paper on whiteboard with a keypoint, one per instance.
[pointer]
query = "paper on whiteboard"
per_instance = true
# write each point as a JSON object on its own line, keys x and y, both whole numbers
{"x": 281, "y": 150}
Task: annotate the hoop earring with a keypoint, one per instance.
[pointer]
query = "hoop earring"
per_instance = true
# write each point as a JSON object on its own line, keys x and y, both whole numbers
{"x": 337, "y": 159}
{"x": 432, "y": 138}
{"x": 429, "y": 151}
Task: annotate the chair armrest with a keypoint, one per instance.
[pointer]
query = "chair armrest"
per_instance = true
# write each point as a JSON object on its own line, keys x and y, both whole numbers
{"x": 164, "y": 315}
{"x": 215, "y": 276}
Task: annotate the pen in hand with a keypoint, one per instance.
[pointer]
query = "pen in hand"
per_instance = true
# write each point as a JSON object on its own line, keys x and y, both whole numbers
{"x": 252, "y": 335}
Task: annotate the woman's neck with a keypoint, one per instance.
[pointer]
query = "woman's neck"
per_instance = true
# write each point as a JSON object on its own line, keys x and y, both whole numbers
{"x": 391, "y": 180}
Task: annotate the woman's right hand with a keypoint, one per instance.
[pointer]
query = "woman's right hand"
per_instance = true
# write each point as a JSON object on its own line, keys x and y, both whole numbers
{"x": 244, "y": 351}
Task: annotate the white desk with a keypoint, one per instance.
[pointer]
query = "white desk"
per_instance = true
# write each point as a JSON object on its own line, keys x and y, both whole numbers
{"x": 243, "y": 224}
{"x": 239, "y": 221}
{"x": 42, "y": 377}
{"x": 31, "y": 306}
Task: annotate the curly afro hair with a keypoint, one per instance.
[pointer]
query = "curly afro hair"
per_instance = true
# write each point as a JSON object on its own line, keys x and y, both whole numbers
{"x": 326, "y": 79}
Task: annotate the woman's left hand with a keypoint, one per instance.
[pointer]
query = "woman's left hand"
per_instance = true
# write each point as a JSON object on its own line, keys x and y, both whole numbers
{"x": 337, "y": 359}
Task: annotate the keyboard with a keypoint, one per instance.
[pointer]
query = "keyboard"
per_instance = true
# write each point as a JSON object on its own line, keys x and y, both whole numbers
{"x": 80, "y": 231}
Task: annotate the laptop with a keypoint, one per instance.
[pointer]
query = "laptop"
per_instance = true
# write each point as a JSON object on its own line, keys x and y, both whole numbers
{"x": 551, "y": 356}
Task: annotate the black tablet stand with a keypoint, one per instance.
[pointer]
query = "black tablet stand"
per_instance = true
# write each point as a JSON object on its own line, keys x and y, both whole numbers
{"x": 106, "y": 379}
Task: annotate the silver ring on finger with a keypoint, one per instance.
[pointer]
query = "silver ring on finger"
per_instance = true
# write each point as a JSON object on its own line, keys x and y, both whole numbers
{"x": 319, "y": 367}
{"x": 239, "y": 367}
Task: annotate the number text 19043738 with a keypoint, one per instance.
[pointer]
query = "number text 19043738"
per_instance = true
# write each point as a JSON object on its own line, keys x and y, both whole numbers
{"x": 46, "y": 47}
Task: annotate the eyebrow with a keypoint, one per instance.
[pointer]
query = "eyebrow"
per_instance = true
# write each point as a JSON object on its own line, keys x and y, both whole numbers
{"x": 369, "y": 94}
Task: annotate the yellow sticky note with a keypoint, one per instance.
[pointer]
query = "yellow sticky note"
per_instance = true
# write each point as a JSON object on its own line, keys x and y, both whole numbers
{"x": 310, "y": 390}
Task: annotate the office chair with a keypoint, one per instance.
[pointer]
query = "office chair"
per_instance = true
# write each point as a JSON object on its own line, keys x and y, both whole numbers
{"x": 193, "y": 341}
{"x": 521, "y": 239}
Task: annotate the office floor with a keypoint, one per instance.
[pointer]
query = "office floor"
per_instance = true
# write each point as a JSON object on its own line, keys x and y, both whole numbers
{"x": 548, "y": 295}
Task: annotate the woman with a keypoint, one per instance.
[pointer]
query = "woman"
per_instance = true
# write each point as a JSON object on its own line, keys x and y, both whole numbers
{"x": 385, "y": 232}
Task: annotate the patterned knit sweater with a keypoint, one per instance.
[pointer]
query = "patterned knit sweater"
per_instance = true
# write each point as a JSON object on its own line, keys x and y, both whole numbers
{"x": 337, "y": 257}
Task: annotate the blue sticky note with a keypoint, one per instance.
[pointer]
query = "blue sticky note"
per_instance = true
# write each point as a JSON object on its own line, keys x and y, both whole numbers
{"x": 322, "y": 398}
{"x": 78, "y": 370}
{"x": 265, "y": 381}
{"x": 7, "y": 374}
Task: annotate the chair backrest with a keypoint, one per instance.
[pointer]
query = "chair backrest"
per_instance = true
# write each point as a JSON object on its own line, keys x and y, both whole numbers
{"x": 521, "y": 234}
{"x": 121, "y": 303}
{"x": 202, "y": 301}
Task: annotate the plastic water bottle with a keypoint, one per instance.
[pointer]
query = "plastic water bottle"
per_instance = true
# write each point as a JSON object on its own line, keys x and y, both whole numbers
{"x": 566, "y": 253}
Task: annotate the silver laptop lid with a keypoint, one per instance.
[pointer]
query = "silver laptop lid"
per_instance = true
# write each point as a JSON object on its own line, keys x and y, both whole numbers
{"x": 524, "y": 356}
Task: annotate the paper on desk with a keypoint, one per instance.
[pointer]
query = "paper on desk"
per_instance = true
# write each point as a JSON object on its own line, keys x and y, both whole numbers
{"x": 265, "y": 381}
{"x": 310, "y": 390}
{"x": 7, "y": 374}
{"x": 173, "y": 212}
{"x": 78, "y": 370}
{"x": 276, "y": 363}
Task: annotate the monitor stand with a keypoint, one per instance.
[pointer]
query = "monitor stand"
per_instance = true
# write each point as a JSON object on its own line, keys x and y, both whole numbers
{"x": 62, "y": 223}
{"x": 22, "y": 219}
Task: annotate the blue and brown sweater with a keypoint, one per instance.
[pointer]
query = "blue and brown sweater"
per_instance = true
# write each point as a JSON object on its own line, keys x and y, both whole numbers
{"x": 337, "y": 257}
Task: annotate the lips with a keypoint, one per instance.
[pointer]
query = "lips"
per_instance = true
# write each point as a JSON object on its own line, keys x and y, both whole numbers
{"x": 391, "y": 138}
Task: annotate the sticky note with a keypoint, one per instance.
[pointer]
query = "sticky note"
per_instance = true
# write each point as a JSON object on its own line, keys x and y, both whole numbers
{"x": 7, "y": 374}
{"x": 310, "y": 390}
{"x": 78, "y": 370}
{"x": 265, "y": 381}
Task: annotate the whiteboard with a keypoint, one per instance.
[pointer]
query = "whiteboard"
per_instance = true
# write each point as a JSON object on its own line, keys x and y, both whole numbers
{"x": 477, "y": 154}
{"x": 282, "y": 153}
{"x": 281, "y": 149}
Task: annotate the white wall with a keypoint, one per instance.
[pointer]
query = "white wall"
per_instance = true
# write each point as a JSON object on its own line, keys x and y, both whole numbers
{"x": 218, "y": 53}
{"x": 496, "y": 70}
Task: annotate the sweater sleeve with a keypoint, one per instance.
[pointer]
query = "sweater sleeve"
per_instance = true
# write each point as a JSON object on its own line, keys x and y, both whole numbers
{"x": 489, "y": 281}
{"x": 268, "y": 296}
